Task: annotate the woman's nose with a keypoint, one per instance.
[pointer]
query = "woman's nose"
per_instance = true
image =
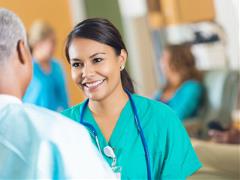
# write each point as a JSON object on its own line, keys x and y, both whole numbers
{"x": 87, "y": 70}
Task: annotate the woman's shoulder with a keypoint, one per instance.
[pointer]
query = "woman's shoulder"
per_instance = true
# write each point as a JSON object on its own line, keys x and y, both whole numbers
{"x": 192, "y": 83}
{"x": 56, "y": 63}
{"x": 156, "y": 115}
{"x": 154, "y": 107}
{"x": 191, "y": 86}
{"x": 143, "y": 101}
{"x": 73, "y": 112}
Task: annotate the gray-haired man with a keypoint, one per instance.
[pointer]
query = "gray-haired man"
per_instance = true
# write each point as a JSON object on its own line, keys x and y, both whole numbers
{"x": 35, "y": 142}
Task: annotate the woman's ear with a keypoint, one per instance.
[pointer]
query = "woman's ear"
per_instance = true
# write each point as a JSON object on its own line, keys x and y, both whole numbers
{"x": 23, "y": 52}
{"x": 122, "y": 59}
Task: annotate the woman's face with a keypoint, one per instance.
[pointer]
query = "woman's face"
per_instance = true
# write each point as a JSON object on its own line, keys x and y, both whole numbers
{"x": 164, "y": 64}
{"x": 95, "y": 67}
{"x": 46, "y": 47}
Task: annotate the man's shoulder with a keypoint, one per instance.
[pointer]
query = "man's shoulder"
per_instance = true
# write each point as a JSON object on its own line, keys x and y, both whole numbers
{"x": 38, "y": 120}
{"x": 40, "y": 111}
{"x": 37, "y": 112}
{"x": 50, "y": 122}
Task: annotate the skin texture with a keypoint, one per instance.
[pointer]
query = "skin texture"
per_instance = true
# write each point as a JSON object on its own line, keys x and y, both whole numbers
{"x": 16, "y": 72}
{"x": 95, "y": 68}
{"x": 172, "y": 77}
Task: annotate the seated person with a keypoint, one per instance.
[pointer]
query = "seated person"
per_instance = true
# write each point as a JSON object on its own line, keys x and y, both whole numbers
{"x": 183, "y": 90}
{"x": 47, "y": 87}
{"x": 36, "y": 143}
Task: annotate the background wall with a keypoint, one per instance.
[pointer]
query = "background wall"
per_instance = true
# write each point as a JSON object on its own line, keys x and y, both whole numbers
{"x": 227, "y": 14}
{"x": 140, "y": 47}
{"x": 106, "y": 9}
{"x": 57, "y": 13}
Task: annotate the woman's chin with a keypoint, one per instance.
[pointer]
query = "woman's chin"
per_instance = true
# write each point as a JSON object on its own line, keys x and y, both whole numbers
{"x": 95, "y": 96}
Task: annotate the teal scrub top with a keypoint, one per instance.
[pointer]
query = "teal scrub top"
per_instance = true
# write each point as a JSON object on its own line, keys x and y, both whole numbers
{"x": 47, "y": 89}
{"x": 171, "y": 153}
{"x": 187, "y": 99}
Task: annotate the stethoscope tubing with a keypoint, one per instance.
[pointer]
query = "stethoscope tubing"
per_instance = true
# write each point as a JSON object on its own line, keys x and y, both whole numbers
{"x": 139, "y": 129}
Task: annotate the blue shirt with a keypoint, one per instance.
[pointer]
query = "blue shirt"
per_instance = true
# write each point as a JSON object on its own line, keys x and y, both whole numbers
{"x": 186, "y": 100}
{"x": 47, "y": 89}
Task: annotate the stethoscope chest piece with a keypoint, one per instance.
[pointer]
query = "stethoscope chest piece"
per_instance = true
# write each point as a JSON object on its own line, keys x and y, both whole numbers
{"x": 108, "y": 151}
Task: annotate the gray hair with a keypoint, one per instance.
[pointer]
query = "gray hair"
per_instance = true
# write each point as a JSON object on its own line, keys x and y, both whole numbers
{"x": 11, "y": 31}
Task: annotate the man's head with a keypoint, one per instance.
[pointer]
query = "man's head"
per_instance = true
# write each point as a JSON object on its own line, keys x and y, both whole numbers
{"x": 15, "y": 58}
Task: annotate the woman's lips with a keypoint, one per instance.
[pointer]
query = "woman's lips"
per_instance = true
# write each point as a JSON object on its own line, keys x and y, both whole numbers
{"x": 90, "y": 86}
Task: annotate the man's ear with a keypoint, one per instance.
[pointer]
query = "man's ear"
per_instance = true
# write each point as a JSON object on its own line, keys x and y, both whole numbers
{"x": 22, "y": 52}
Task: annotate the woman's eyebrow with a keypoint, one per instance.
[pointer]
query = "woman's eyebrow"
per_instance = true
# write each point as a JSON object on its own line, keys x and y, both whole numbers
{"x": 95, "y": 54}
{"x": 75, "y": 60}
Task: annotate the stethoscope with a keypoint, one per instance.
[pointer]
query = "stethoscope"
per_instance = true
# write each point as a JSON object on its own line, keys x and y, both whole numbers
{"x": 139, "y": 128}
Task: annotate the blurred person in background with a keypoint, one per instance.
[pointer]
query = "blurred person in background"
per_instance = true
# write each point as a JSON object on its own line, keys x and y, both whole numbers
{"x": 47, "y": 88}
{"x": 36, "y": 143}
{"x": 137, "y": 136}
{"x": 183, "y": 90}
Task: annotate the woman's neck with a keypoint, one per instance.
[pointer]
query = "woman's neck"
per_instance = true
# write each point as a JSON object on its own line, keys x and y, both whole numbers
{"x": 111, "y": 105}
{"x": 174, "y": 81}
{"x": 44, "y": 63}
{"x": 107, "y": 111}
{"x": 171, "y": 87}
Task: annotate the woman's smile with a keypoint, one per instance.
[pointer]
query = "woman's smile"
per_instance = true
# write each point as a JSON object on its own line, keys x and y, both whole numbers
{"x": 92, "y": 85}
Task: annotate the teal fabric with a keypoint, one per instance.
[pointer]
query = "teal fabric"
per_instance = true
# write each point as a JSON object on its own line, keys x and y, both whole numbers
{"x": 187, "y": 99}
{"x": 47, "y": 89}
{"x": 171, "y": 153}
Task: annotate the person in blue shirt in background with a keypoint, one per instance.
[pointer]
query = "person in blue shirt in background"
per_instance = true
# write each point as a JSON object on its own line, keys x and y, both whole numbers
{"x": 47, "y": 88}
{"x": 183, "y": 90}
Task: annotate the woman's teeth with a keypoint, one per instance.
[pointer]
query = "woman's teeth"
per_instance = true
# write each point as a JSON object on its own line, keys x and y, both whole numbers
{"x": 94, "y": 84}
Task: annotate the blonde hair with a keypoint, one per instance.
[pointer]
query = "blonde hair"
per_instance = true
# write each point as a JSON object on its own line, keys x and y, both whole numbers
{"x": 39, "y": 31}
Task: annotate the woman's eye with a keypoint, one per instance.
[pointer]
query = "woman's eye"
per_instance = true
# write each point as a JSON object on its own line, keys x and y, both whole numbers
{"x": 75, "y": 65}
{"x": 97, "y": 60}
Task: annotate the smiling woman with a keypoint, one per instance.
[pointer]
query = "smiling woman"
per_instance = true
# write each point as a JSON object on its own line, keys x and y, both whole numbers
{"x": 95, "y": 67}
{"x": 143, "y": 139}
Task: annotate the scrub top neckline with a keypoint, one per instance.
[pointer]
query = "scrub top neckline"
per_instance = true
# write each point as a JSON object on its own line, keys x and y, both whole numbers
{"x": 118, "y": 130}
{"x": 46, "y": 73}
